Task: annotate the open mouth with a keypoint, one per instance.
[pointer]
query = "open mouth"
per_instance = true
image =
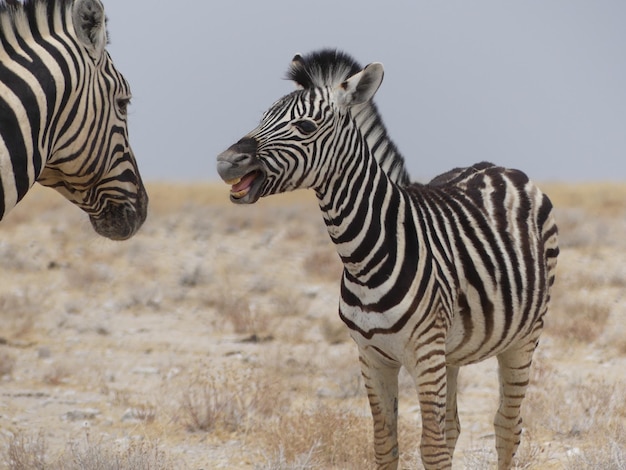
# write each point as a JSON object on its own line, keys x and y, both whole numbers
{"x": 241, "y": 187}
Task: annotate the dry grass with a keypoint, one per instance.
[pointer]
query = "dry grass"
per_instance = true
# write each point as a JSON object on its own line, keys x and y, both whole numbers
{"x": 211, "y": 340}
{"x": 30, "y": 452}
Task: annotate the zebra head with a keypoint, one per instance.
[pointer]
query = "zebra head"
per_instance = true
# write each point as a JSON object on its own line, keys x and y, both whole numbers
{"x": 303, "y": 140}
{"x": 90, "y": 161}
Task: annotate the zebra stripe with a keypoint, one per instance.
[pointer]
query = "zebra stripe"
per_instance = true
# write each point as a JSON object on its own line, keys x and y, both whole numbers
{"x": 63, "y": 114}
{"x": 436, "y": 275}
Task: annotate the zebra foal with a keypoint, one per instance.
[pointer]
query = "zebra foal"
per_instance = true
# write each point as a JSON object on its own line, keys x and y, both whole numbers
{"x": 436, "y": 276}
{"x": 63, "y": 108}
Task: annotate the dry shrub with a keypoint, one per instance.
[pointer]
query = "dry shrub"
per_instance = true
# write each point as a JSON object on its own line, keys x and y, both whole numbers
{"x": 330, "y": 437}
{"x": 608, "y": 453}
{"x": 7, "y": 363}
{"x": 26, "y": 452}
{"x": 575, "y": 410}
{"x": 572, "y": 318}
{"x": 20, "y": 310}
{"x": 324, "y": 264}
{"x": 140, "y": 455}
{"x": 530, "y": 455}
{"x": 230, "y": 402}
{"x": 324, "y": 438}
{"x": 334, "y": 331}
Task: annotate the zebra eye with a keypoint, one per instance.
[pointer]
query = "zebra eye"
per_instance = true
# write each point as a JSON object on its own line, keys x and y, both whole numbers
{"x": 305, "y": 126}
{"x": 122, "y": 105}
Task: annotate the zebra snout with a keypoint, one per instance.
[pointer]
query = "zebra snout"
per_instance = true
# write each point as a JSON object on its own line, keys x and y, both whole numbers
{"x": 240, "y": 168}
{"x": 119, "y": 221}
{"x": 237, "y": 161}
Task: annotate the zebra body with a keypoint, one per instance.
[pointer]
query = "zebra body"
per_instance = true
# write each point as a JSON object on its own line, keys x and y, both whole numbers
{"x": 63, "y": 111}
{"x": 436, "y": 276}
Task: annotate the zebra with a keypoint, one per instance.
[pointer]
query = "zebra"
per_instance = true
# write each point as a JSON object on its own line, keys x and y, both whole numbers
{"x": 436, "y": 275}
{"x": 63, "y": 114}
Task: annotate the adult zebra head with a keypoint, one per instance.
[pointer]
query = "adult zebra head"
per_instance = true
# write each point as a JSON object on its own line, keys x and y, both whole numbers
{"x": 69, "y": 106}
{"x": 332, "y": 108}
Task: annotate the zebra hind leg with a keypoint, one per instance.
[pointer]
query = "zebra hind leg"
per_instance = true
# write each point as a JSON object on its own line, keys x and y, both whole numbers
{"x": 514, "y": 375}
{"x": 453, "y": 425}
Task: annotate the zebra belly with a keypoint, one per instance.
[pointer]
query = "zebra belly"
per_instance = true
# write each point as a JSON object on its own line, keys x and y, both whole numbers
{"x": 476, "y": 339}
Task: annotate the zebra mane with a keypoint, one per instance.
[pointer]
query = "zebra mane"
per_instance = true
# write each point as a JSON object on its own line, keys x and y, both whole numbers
{"x": 30, "y": 12}
{"x": 29, "y": 6}
{"x": 323, "y": 68}
{"x": 330, "y": 68}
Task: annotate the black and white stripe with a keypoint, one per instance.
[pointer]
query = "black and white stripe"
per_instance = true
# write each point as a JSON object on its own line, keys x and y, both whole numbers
{"x": 63, "y": 113}
{"x": 436, "y": 276}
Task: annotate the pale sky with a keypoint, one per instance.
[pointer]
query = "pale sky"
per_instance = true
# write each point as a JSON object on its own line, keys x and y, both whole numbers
{"x": 538, "y": 85}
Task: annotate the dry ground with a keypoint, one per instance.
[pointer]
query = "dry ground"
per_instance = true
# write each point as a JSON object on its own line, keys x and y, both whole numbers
{"x": 211, "y": 340}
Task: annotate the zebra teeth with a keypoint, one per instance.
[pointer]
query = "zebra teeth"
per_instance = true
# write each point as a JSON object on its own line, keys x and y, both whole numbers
{"x": 233, "y": 182}
{"x": 240, "y": 194}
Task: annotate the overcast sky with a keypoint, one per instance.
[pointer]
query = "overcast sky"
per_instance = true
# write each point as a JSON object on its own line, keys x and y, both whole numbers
{"x": 536, "y": 84}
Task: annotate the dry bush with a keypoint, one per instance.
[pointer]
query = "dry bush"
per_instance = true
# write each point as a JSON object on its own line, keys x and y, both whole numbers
{"x": 324, "y": 438}
{"x": 608, "y": 453}
{"x": 230, "y": 402}
{"x": 530, "y": 455}
{"x": 334, "y": 331}
{"x": 20, "y": 310}
{"x": 26, "y": 452}
{"x": 7, "y": 363}
{"x": 578, "y": 320}
{"x": 330, "y": 437}
{"x": 58, "y": 373}
{"x": 575, "y": 410}
{"x": 324, "y": 264}
{"x": 140, "y": 455}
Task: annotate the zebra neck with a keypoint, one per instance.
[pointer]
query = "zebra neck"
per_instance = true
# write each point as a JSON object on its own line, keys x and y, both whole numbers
{"x": 33, "y": 89}
{"x": 385, "y": 152}
{"x": 366, "y": 214}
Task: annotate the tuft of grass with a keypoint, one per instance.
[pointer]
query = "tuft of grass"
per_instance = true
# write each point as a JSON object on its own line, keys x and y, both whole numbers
{"x": 325, "y": 437}
{"x": 231, "y": 402}
{"x": 323, "y": 264}
{"x": 7, "y": 363}
{"x": 582, "y": 320}
{"x": 20, "y": 310}
{"x": 27, "y": 451}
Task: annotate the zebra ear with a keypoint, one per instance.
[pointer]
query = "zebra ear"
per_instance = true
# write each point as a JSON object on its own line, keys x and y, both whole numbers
{"x": 297, "y": 64}
{"x": 90, "y": 25}
{"x": 361, "y": 87}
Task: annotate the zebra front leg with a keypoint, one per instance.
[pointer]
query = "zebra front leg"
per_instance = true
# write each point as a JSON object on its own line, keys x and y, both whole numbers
{"x": 430, "y": 377}
{"x": 514, "y": 374}
{"x": 381, "y": 384}
{"x": 453, "y": 425}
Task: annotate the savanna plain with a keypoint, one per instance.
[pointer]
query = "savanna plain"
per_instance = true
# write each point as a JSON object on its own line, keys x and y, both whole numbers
{"x": 211, "y": 340}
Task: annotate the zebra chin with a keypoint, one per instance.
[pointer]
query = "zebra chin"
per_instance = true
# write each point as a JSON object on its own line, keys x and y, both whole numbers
{"x": 118, "y": 221}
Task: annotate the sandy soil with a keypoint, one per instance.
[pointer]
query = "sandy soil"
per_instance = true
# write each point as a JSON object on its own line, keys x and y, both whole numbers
{"x": 106, "y": 344}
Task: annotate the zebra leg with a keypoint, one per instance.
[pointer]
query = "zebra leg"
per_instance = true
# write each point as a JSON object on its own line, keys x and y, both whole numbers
{"x": 381, "y": 383}
{"x": 453, "y": 425}
{"x": 514, "y": 374}
{"x": 430, "y": 376}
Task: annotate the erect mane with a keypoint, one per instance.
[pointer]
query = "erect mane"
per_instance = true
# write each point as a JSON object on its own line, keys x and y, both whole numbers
{"x": 28, "y": 5}
{"x": 323, "y": 68}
